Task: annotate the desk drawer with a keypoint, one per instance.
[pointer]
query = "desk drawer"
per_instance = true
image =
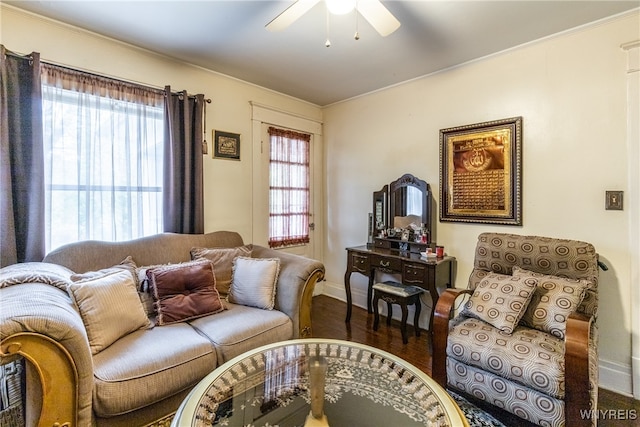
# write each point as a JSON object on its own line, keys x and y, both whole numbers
{"x": 414, "y": 274}
{"x": 386, "y": 263}
{"x": 382, "y": 243}
{"x": 360, "y": 263}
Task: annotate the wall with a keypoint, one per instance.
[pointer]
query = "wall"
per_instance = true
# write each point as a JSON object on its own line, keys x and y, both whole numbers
{"x": 571, "y": 92}
{"x": 228, "y": 183}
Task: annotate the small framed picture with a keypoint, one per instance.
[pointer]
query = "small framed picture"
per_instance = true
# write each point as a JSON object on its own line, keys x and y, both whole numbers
{"x": 226, "y": 145}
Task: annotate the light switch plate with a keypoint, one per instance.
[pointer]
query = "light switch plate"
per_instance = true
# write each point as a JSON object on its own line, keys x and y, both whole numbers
{"x": 613, "y": 200}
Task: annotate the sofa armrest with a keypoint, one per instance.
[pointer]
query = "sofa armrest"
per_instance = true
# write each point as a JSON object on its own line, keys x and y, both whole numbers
{"x": 443, "y": 312}
{"x": 40, "y": 323}
{"x": 580, "y": 370}
{"x": 294, "y": 290}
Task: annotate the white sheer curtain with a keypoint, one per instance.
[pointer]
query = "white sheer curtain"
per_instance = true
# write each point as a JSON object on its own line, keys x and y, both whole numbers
{"x": 103, "y": 143}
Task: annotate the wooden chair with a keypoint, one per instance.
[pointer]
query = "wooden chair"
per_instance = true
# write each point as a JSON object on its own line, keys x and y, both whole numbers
{"x": 544, "y": 370}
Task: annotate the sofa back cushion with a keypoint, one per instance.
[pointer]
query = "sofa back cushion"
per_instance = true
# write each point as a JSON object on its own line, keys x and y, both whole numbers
{"x": 222, "y": 260}
{"x": 164, "y": 248}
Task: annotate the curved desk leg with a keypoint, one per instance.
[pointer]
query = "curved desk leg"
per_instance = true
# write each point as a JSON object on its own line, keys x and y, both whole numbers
{"x": 347, "y": 289}
{"x": 376, "y": 314}
{"x": 416, "y": 316}
{"x": 403, "y": 324}
{"x": 372, "y": 275}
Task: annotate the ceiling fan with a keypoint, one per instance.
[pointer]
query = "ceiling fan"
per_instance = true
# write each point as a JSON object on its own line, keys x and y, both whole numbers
{"x": 372, "y": 10}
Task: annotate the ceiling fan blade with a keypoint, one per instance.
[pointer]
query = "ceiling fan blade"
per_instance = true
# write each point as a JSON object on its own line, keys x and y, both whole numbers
{"x": 378, "y": 16}
{"x": 290, "y": 14}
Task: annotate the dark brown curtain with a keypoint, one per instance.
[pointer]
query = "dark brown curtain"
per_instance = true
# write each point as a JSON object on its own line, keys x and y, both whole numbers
{"x": 183, "y": 206}
{"x": 22, "y": 227}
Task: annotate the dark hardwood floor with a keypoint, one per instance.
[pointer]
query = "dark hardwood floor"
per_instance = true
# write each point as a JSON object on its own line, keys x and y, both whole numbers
{"x": 328, "y": 316}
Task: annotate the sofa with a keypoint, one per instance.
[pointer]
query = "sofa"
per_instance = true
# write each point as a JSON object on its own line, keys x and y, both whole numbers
{"x": 94, "y": 360}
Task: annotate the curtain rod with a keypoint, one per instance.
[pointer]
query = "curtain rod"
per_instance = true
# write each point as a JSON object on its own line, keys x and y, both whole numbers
{"x": 144, "y": 86}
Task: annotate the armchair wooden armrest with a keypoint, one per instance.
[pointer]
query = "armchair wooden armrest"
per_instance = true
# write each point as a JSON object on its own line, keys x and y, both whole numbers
{"x": 577, "y": 375}
{"x": 442, "y": 313}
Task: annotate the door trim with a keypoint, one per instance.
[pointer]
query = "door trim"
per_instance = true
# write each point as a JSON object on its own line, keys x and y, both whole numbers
{"x": 263, "y": 114}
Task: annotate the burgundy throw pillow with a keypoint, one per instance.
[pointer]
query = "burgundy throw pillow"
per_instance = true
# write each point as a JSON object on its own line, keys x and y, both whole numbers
{"x": 184, "y": 291}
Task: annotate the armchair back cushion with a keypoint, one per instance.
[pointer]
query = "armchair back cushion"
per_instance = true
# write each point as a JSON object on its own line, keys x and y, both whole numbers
{"x": 499, "y": 253}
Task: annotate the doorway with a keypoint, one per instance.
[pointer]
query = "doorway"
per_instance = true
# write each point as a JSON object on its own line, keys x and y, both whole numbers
{"x": 263, "y": 118}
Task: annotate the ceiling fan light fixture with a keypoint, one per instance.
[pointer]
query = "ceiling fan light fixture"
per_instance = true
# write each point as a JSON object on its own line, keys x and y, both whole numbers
{"x": 340, "y": 7}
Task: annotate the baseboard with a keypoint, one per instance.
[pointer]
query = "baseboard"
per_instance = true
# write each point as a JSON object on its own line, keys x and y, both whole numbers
{"x": 613, "y": 376}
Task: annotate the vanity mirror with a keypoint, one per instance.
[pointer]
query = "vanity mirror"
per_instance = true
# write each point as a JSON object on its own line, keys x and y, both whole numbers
{"x": 380, "y": 210}
{"x": 403, "y": 205}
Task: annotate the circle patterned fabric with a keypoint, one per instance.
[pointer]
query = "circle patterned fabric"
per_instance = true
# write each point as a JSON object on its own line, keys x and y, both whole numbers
{"x": 500, "y": 300}
{"x": 573, "y": 259}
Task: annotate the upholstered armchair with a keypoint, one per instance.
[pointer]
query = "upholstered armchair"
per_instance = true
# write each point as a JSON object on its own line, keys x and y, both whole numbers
{"x": 526, "y": 339}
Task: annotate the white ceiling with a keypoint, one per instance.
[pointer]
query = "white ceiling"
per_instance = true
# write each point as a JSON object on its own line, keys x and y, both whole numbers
{"x": 229, "y": 37}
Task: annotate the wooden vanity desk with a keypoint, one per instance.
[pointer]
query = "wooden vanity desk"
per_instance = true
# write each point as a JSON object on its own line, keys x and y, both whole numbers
{"x": 412, "y": 268}
{"x": 400, "y": 227}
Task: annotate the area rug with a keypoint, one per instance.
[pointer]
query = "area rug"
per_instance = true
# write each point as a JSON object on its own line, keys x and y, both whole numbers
{"x": 475, "y": 416}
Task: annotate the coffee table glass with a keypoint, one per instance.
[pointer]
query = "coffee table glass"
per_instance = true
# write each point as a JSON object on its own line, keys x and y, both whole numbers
{"x": 274, "y": 386}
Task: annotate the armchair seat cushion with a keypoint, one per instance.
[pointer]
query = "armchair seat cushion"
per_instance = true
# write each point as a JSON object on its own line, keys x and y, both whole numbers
{"x": 526, "y": 356}
{"x": 531, "y": 405}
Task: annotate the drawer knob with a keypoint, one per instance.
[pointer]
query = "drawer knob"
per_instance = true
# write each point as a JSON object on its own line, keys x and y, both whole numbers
{"x": 385, "y": 264}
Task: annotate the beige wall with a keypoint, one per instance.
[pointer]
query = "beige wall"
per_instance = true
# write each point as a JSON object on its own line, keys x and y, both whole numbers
{"x": 570, "y": 91}
{"x": 228, "y": 184}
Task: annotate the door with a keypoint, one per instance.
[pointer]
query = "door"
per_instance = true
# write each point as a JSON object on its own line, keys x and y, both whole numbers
{"x": 262, "y": 117}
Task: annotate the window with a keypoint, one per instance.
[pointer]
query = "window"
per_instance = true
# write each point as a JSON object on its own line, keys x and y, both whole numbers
{"x": 103, "y": 142}
{"x": 288, "y": 187}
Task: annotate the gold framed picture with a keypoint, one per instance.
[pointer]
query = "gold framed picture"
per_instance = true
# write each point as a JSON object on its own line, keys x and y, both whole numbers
{"x": 226, "y": 145}
{"x": 481, "y": 172}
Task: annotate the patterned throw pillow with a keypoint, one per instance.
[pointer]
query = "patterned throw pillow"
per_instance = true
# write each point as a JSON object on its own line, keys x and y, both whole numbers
{"x": 222, "y": 259}
{"x": 500, "y": 300}
{"x": 554, "y": 299}
{"x": 254, "y": 282}
{"x": 184, "y": 291}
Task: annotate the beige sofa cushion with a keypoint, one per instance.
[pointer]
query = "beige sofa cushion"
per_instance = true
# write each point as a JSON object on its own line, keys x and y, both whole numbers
{"x": 109, "y": 305}
{"x": 252, "y": 327}
{"x": 149, "y": 365}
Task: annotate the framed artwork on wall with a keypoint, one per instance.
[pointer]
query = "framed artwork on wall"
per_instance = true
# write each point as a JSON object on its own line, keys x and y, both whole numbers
{"x": 226, "y": 145}
{"x": 481, "y": 172}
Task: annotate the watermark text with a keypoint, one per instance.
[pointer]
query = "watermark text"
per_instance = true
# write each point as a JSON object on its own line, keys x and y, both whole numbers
{"x": 609, "y": 414}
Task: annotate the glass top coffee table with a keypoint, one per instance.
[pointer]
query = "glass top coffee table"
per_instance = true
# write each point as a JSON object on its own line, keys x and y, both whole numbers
{"x": 281, "y": 385}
